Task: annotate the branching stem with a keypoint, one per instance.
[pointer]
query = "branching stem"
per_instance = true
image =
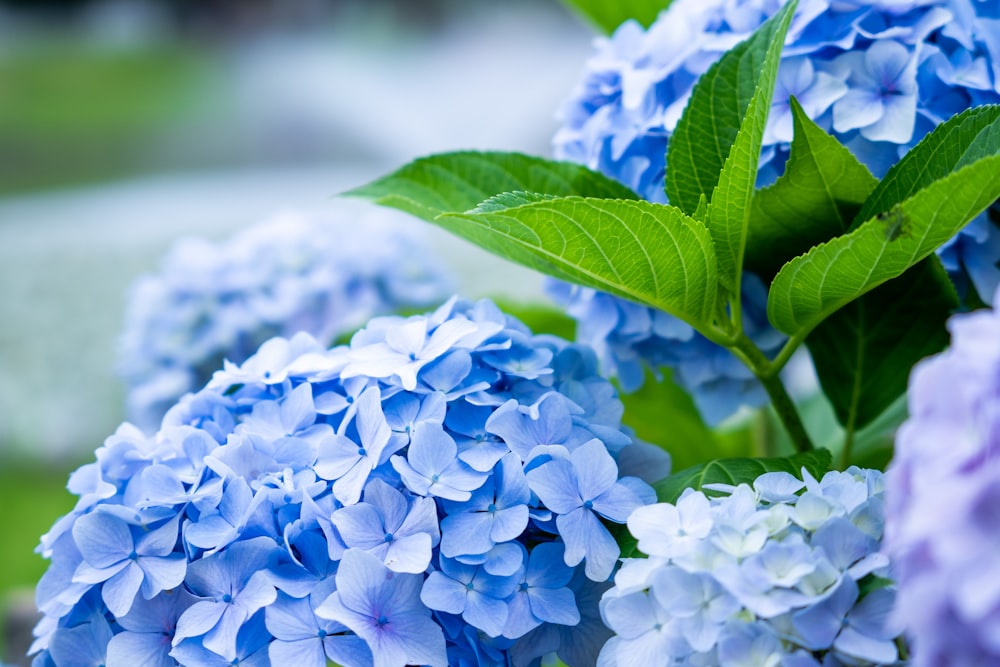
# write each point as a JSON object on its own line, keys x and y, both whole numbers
{"x": 783, "y": 405}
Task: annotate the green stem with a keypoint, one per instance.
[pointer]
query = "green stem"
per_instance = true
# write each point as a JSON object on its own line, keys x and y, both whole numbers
{"x": 791, "y": 345}
{"x": 852, "y": 417}
{"x": 780, "y": 400}
{"x": 787, "y": 413}
{"x": 763, "y": 435}
{"x": 845, "y": 454}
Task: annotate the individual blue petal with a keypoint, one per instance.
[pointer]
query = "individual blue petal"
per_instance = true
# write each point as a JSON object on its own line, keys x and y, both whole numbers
{"x": 347, "y": 651}
{"x": 508, "y": 524}
{"x": 360, "y": 526}
{"x": 596, "y": 471}
{"x": 843, "y": 543}
{"x": 443, "y": 593}
{"x": 622, "y": 498}
{"x": 466, "y": 533}
{"x": 485, "y": 612}
{"x": 819, "y": 624}
{"x": 778, "y": 487}
{"x": 120, "y": 590}
{"x": 555, "y": 484}
{"x": 410, "y": 553}
{"x": 586, "y": 537}
{"x": 305, "y": 652}
{"x": 554, "y": 605}
{"x": 371, "y": 423}
{"x": 83, "y": 645}
{"x": 503, "y": 560}
{"x": 140, "y": 648}
{"x": 103, "y": 540}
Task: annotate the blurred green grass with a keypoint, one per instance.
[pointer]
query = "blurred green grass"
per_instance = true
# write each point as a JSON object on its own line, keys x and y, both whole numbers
{"x": 72, "y": 112}
{"x": 33, "y": 497}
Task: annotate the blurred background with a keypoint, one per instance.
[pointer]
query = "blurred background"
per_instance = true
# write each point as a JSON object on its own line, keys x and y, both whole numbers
{"x": 125, "y": 124}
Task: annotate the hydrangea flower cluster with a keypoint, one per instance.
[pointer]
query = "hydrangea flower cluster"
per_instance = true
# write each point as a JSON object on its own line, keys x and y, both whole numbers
{"x": 877, "y": 75}
{"x": 943, "y": 497}
{"x": 435, "y": 493}
{"x": 629, "y": 338}
{"x": 786, "y": 572}
{"x": 323, "y": 274}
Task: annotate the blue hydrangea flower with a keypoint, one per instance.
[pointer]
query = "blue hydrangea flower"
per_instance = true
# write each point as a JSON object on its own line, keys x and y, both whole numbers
{"x": 630, "y": 338}
{"x": 356, "y": 505}
{"x": 296, "y": 272}
{"x": 941, "y": 512}
{"x": 784, "y": 572}
{"x": 877, "y": 75}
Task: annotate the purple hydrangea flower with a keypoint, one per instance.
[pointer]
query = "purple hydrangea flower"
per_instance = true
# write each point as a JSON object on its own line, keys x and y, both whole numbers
{"x": 385, "y": 610}
{"x": 877, "y": 75}
{"x": 297, "y": 272}
{"x": 347, "y": 504}
{"x": 769, "y": 574}
{"x": 945, "y": 552}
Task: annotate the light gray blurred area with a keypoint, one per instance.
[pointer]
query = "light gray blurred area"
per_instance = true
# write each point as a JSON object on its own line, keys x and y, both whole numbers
{"x": 298, "y": 116}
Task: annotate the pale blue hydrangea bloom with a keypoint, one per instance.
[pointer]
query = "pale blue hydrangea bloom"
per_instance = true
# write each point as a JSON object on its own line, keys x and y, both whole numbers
{"x": 782, "y": 572}
{"x": 420, "y": 496}
{"x": 877, "y": 75}
{"x": 943, "y": 492}
{"x": 323, "y": 273}
{"x": 630, "y": 338}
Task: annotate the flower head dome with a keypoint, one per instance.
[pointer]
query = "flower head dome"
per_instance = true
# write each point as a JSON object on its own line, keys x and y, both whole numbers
{"x": 784, "y": 572}
{"x": 438, "y": 492}
{"x": 943, "y": 499}
{"x": 325, "y": 274}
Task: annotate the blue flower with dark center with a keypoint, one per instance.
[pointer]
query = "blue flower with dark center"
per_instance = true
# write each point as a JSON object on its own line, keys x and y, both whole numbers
{"x": 385, "y": 610}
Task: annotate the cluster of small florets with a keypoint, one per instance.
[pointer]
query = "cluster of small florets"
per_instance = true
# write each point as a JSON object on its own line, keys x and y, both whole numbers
{"x": 943, "y": 500}
{"x": 325, "y": 274}
{"x": 786, "y": 572}
{"x": 435, "y": 493}
{"x": 877, "y": 75}
{"x": 629, "y": 339}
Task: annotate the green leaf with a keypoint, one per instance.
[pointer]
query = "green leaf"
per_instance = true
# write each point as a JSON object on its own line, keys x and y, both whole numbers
{"x": 823, "y": 188}
{"x": 646, "y": 252}
{"x": 864, "y": 352}
{"x": 812, "y": 286}
{"x": 740, "y": 471}
{"x": 606, "y": 16}
{"x": 708, "y": 128}
{"x": 958, "y": 142}
{"x": 457, "y": 182}
{"x": 729, "y": 207}
{"x": 871, "y": 583}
